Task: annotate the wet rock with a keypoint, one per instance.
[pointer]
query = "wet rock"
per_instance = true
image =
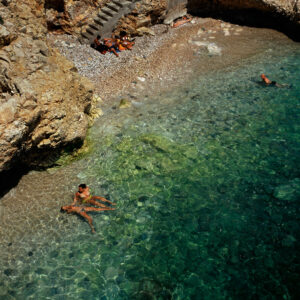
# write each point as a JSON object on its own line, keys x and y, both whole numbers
{"x": 44, "y": 106}
{"x": 8, "y": 272}
{"x": 125, "y": 103}
{"x": 288, "y": 192}
{"x": 145, "y": 30}
{"x": 289, "y": 241}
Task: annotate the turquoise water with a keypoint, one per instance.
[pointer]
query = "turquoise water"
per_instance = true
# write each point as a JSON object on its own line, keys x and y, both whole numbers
{"x": 207, "y": 183}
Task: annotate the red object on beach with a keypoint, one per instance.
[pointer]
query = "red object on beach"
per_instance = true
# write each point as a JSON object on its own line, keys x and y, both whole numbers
{"x": 184, "y": 20}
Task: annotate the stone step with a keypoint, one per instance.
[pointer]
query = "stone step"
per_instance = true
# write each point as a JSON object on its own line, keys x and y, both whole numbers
{"x": 106, "y": 19}
{"x": 86, "y": 36}
{"x": 91, "y": 31}
{"x": 108, "y": 11}
{"x": 103, "y": 16}
{"x": 113, "y": 6}
{"x": 99, "y": 21}
{"x": 94, "y": 26}
{"x": 117, "y": 2}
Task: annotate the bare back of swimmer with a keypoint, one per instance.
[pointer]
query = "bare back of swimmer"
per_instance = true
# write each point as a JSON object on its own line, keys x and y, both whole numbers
{"x": 83, "y": 196}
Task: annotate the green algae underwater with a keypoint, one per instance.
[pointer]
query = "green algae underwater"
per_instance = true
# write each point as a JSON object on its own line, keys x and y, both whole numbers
{"x": 207, "y": 183}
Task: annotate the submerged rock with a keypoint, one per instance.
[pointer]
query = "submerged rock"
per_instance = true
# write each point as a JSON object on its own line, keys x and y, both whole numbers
{"x": 124, "y": 103}
{"x": 288, "y": 192}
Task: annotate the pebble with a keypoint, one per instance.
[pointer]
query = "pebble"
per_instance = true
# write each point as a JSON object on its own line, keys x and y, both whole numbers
{"x": 142, "y": 79}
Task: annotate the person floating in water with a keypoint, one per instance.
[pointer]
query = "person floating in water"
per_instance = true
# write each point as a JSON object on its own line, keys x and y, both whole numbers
{"x": 83, "y": 197}
{"x": 82, "y": 211}
{"x": 268, "y": 82}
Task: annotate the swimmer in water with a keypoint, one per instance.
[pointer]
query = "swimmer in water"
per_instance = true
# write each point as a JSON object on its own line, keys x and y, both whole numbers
{"x": 268, "y": 82}
{"x": 83, "y": 196}
{"x": 82, "y": 211}
{"x": 81, "y": 199}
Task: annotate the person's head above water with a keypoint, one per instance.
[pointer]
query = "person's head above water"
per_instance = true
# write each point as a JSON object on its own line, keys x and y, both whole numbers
{"x": 98, "y": 37}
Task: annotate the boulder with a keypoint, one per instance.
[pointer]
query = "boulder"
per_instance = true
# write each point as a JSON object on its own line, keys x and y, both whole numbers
{"x": 44, "y": 104}
{"x": 283, "y": 15}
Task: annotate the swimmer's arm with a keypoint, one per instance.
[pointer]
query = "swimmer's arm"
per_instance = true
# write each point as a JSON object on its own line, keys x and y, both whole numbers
{"x": 75, "y": 199}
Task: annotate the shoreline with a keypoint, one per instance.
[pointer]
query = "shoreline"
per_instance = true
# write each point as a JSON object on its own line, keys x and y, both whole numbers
{"x": 166, "y": 59}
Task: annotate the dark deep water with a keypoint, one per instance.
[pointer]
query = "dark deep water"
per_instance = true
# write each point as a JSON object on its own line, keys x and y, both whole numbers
{"x": 207, "y": 183}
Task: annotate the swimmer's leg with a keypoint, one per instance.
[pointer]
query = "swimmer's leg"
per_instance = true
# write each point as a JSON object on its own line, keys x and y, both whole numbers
{"x": 88, "y": 218}
{"x": 96, "y": 203}
{"x": 87, "y": 209}
{"x": 113, "y": 50}
{"x": 102, "y": 199}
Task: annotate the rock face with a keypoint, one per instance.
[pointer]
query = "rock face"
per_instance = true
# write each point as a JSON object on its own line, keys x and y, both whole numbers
{"x": 69, "y": 15}
{"x": 43, "y": 101}
{"x": 146, "y": 13}
{"x": 283, "y": 15}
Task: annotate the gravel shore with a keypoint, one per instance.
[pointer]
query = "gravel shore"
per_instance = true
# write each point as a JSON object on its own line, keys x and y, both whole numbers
{"x": 168, "y": 57}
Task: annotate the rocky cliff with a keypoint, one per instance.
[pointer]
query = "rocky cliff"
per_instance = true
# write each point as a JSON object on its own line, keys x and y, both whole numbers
{"x": 43, "y": 101}
{"x": 283, "y": 15}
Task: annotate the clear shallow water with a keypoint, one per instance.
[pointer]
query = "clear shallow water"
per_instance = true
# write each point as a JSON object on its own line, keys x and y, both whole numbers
{"x": 207, "y": 183}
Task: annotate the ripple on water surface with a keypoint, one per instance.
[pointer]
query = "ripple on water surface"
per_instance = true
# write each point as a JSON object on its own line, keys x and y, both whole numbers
{"x": 207, "y": 186}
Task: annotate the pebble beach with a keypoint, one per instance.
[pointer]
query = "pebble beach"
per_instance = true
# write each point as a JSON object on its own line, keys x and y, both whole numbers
{"x": 166, "y": 57}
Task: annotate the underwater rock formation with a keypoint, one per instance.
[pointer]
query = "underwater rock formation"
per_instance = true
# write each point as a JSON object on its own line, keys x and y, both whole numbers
{"x": 43, "y": 101}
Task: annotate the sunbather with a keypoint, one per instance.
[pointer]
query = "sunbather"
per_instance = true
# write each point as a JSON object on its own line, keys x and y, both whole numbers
{"x": 126, "y": 43}
{"x": 98, "y": 45}
{"x": 181, "y": 21}
{"x": 109, "y": 42}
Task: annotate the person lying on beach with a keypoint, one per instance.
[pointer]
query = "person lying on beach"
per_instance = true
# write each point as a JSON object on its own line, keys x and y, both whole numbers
{"x": 99, "y": 46}
{"x": 125, "y": 41}
{"x": 83, "y": 196}
{"x": 268, "y": 82}
{"x": 109, "y": 43}
{"x": 181, "y": 21}
{"x": 82, "y": 211}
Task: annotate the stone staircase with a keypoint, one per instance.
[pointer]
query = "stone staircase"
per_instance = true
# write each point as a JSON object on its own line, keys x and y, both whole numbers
{"x": 106, "y": 19}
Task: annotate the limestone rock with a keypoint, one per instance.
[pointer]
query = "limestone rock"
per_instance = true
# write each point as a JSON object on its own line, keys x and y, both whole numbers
{"x": 70, "y": 16}
{"x": 145, "y": 14}
{"x": 145, "y": 30}
{"x": 283, "y": 14}
{"x": 44, "y": 105}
